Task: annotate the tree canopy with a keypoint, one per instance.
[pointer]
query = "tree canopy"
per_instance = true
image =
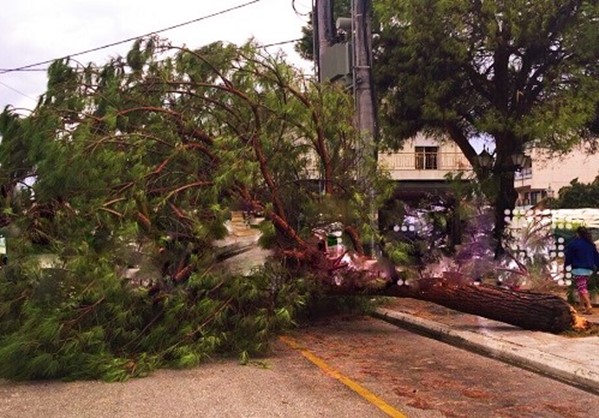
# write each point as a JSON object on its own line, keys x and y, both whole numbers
{"x": 137, "y": 163}
{"x": 578, "y": 195}
{"x": 517, "y": 73}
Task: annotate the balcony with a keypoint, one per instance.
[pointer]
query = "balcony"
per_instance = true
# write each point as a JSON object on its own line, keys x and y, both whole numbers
{"x": 524, "y": 174}
{"x": 424, "y": 165}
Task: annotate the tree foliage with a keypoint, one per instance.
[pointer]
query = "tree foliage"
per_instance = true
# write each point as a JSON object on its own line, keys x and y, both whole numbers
{"x": 517, "y": 73}
{"x": 137, "y": 163}
{"x": 578, "y": 195}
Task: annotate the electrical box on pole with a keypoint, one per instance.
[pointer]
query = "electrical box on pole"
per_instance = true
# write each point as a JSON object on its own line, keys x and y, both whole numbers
{"x": 337, "y": 63}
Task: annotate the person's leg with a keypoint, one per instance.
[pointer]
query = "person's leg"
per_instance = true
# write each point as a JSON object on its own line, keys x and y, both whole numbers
{"x": 583, "y": 293}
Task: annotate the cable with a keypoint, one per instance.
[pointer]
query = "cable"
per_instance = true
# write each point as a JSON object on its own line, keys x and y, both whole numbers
{"x": 298, "y": 12}
{"x": 17, "y": 91}
{"x": 25, "y": 67}
{"x": 46, "y": 68}
{"x": 31, "y": 70}
{"x": 281, "y": 43}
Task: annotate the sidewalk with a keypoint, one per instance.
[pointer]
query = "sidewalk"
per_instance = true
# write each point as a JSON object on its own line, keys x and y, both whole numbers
{"x": 571, "y": 360}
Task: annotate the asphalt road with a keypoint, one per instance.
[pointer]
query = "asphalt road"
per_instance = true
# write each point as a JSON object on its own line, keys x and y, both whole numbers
{"x": 345, "y": 367}
{"x": 284, "y": 385}
{"x": 427, "y": 378}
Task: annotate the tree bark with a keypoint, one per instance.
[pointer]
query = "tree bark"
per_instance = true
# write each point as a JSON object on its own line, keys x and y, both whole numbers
{"x": 505, "y": 201}
{"x": 527, "y": 310}
{"x": 532, "y": 311}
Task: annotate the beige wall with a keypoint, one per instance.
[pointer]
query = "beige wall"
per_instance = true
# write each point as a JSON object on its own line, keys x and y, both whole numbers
{"x": 402, "y": 164}
{"x": 558, "y": 171}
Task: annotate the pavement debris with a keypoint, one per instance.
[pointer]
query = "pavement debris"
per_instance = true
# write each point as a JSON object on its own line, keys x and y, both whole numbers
{"x": 571, "y": 360}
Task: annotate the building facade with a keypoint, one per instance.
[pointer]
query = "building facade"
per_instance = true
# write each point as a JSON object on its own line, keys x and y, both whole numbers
{"x": 422, "y": 165}
{"x": 548, "y": 173}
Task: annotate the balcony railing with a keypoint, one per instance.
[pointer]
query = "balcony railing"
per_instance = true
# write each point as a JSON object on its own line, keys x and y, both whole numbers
{"x": 524, "y": 174}
{"x": 446, "y": 161}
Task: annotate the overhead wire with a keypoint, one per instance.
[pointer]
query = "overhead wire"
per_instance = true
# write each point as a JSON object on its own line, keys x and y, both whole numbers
{"x": 297, "y": 12}
{"x": 16, "y": 91}
{"x": 37, "y": 64}
{"x": 29, "y": 67}
{"x": 281, "y": 43}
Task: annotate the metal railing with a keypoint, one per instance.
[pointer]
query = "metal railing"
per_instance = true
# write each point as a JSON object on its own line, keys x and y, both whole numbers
{"x": 523, "y": 174}
{"x": 446, "y": 161}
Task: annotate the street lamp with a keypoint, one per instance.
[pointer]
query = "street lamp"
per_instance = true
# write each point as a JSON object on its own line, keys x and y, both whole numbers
{"x": 518, "y": 160}
{"x": 485, "y": 160}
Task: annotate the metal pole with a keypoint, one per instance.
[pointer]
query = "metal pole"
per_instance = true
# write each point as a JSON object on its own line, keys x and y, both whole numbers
{"x": 362, "y": 80}
{"x": 324, "y": 30}
{"x": 364, "y": 96}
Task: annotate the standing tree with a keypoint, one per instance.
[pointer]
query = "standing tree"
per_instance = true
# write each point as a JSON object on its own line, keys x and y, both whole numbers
{"x": 519, "y": 73}
{"x": 578, "y": 195}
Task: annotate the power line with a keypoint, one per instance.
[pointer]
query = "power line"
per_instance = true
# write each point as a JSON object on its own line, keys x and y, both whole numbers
{"x": 2, "y": 71}
{"x": 17, "y": 91}
{"x": 31, "y": 70}
{"x": 26, "y": 67}
{"x": 297, "y": 12}
{"x": 281, "y": 43}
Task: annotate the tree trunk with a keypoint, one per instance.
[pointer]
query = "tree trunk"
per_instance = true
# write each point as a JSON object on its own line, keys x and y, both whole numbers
{"x": 532, "y": 311}
{"x": 364, "y": 276}
{"x": 505, "y": 201}
{"x": 528, "y": 310}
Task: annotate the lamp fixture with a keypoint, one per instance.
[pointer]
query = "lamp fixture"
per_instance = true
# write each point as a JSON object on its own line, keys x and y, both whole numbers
{"x": 485, "y": 160}
{"x": 518, "y": 161}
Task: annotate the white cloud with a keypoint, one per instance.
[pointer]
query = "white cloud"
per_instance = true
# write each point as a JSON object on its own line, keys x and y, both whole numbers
{"x": 40, "y": 30}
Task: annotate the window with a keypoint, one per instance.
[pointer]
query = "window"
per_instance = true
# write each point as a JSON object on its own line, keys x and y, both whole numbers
{"x": 426, "y": 158}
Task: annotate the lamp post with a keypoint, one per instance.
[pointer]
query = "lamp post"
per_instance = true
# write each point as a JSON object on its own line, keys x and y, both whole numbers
{"x": 486, "y": 161}
{"x": 517, "y": 159}
{"x": 501, "y": 173}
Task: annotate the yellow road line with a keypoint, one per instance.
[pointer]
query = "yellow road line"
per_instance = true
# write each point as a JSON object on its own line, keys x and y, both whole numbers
{"x": 360, "y": 390}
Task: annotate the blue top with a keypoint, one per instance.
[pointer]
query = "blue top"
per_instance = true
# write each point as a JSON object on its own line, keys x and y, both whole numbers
{"x": 582, "y": 254}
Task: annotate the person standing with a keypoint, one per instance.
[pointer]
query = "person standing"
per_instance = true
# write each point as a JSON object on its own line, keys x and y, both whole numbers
{"x": 582, "y": 256}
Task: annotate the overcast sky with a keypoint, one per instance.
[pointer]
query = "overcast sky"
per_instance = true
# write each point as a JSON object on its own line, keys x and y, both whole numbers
{"x": 38, "y": 30}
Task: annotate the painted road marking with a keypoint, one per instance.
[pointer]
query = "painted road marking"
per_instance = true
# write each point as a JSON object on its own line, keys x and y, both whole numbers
{"x": 356, "y": 387}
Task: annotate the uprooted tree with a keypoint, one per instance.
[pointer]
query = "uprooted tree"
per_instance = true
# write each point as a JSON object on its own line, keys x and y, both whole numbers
{"x": 138, "y": 162}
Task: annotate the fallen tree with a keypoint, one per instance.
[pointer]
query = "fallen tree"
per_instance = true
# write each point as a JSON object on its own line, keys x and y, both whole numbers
{"x": 529, "y": 310}
{"x": 353, "y": 273}
{"x": 147, "y": 155}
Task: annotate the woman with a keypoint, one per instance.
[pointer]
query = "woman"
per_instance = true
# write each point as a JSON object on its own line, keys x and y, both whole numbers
{"x": 582, "y": 256}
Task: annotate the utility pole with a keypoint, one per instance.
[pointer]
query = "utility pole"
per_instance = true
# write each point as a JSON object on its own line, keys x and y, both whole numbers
{"x": 364, "y": 98}
{"x": 362, "y": 71}
{"x": 324, "y": 31}
{"x": 337, "y": 62}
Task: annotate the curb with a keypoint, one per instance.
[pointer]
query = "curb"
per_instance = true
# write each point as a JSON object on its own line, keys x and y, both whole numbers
{"x": 555, "y": 367}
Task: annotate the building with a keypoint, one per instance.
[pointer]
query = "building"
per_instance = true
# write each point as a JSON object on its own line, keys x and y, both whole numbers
{"x": 422, "y": 166}
{"x": 548, "y": 173}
